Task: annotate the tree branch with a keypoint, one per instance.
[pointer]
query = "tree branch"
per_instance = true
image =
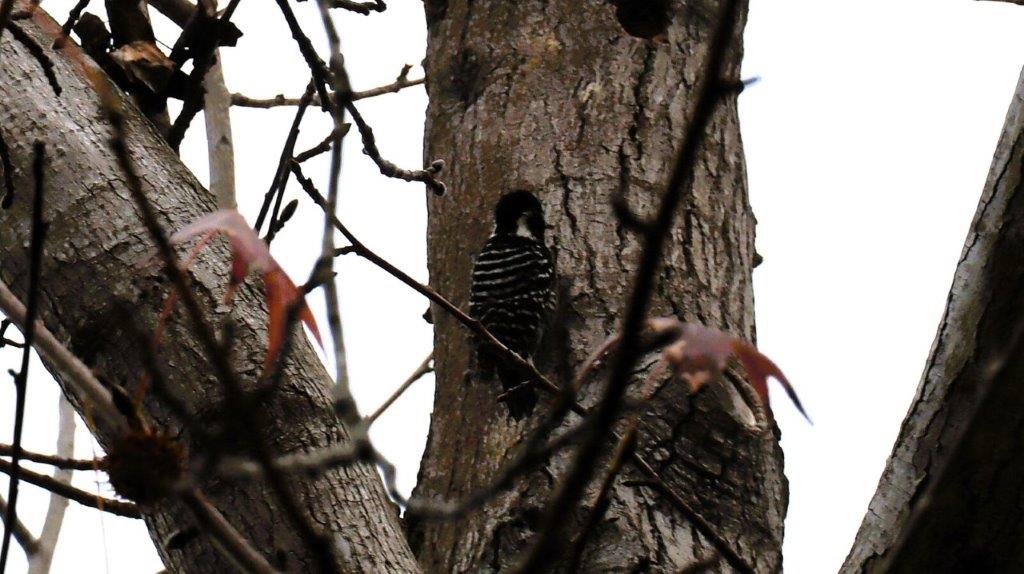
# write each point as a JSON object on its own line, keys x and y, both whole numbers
{"x": 279, "y": 100}
{"x": 219, "y": 144}
{"x": 416, "y": 375}
{"x": 126, "y": 509}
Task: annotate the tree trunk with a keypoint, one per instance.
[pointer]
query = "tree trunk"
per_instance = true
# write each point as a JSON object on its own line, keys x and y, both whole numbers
{"x": 99, "y": 275}
{"x": 950, "y": 496}
{"x": 554, "y": 97}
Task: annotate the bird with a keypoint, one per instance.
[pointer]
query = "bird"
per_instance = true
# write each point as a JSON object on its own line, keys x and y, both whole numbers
{"x": 512, "y": 293}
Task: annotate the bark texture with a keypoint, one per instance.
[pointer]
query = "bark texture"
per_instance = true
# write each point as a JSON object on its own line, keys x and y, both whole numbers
{"x": 99, "y": 276}
{"x": 554, "y": 97}
{"x": 949, "y": 499}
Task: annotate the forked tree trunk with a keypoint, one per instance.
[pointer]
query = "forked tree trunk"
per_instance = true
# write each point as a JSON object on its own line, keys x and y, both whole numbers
{"x": 951, "y": 495}
{"x": 554, "y": 97}
{"x": 99, "y": 276}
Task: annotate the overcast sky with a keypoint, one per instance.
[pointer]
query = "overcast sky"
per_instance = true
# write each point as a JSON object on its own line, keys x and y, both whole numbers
{"x": 868, "y": 141}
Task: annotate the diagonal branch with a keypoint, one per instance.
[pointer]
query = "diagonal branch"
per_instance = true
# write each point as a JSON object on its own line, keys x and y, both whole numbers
{"x": 126, "y": 509}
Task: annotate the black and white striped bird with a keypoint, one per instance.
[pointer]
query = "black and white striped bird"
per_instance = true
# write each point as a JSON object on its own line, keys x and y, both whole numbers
{"x": 513, "y": 292}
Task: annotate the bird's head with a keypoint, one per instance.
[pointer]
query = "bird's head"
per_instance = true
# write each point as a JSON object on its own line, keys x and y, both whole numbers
{"x": 519, "y": 213}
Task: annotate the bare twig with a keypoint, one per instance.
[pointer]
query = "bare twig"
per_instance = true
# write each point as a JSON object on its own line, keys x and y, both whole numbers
{"x": 344, "y": 403}
{"x": 21, "y": 532}
{"x": 322, "y": 147}
{"x": 225, "y": 535}
{"x": 597, "y": 510}
{"x": 21, "y": 377}
{"x": 364, "y": 8}
{"x": 582, "y": 466}
{"x": 425, "y": 176}
{"x": 96, "y": 399}
{"x": 279, "y": 100}
{"x": 73, "y": 16}
{"x": 416, "y": 375}
{"x": 281, "y": 175}
{"x": 82, "y": 497}
{"x": 400, "y": 83}
{"x": 59, "y": 461}
{"x": 39, "y": 563}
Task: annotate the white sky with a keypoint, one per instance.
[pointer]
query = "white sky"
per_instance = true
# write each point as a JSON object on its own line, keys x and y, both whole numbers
{"x": 868, "y": 141}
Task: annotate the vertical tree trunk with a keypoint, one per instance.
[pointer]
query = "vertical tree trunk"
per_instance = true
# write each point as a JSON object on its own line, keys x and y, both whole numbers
{"x": 554, "y": 97}
{"x": 950, "y": 496}
{"x": 99, "y": 276}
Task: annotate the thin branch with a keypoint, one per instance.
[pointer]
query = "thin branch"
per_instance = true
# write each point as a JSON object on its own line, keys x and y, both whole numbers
{"x": 75, "y": 375}
{"x": 80, "y": 496}
{"x": 280, "y": 100}
{"x": 547, "y": 543}
{"x": 69, "y": 24}
{"x": 281, "y": 175}
{"x": 400, "y": 83}
{"x": 600, "y": 506}
{"x": 21, "y": 532}
{"x": 364, "y": 8}
{"x": 227, "y": 538}
{"x": 344, "y": 403}
{"x": 38, "y": 234}
{"x": 322, "y": 147}
{"x": 61, "y": 462}
{"x": 416, "y": 375}
{"x": 425, "y": 176}
{"x": 723, "y": 546}
{"x": 40, "y": 562}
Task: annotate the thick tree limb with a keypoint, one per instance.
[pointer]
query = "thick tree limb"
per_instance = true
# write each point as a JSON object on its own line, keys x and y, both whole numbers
{"x": 103, "y": 278}
{"x": 950, "y": 496}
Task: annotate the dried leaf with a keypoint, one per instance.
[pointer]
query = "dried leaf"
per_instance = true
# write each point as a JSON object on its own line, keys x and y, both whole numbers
{"x": 143, "y": 62}
{"x": 248, "y": 251}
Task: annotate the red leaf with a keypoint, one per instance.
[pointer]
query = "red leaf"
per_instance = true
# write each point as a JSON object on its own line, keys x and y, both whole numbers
{"x": 759, "y": 367}
{"x": 281, "y": 295}
{"x": 248, "y": 251}
{"x": 700, "y": 354}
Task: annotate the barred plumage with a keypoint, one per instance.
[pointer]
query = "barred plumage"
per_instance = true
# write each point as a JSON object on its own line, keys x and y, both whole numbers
{"x": 513, "y": 291}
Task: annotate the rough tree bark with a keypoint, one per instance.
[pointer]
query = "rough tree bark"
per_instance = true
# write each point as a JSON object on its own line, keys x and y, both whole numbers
{"x": 99, "y": 276}
{"x": 554, "y": 97}
{"x": 955, "y": 479}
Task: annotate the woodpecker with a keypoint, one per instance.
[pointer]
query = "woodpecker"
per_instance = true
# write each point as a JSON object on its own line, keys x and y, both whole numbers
{"x": 512, "y": 292}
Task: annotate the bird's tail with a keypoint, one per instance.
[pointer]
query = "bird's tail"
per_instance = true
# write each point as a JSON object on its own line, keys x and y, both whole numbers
{"x": 518, "y": 395}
